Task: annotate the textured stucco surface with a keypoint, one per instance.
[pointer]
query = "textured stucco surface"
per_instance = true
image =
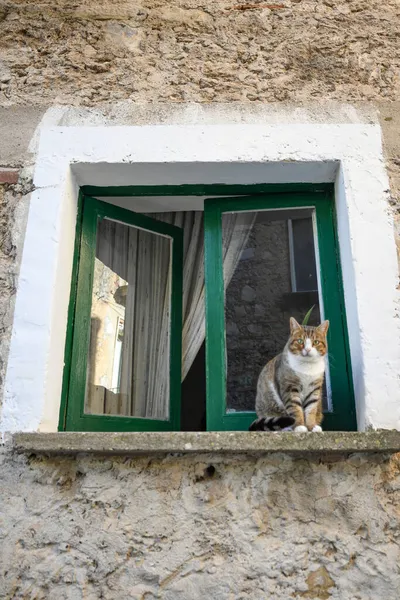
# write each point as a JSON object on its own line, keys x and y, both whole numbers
{"x": 390, "y": 122}
{"x": 190, "y": 51}
{"x": 13, "y": 215}
{"x": 206, "y": 526}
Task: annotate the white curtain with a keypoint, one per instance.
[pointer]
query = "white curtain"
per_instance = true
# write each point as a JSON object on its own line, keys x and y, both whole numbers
{"x": 143, "y": 260}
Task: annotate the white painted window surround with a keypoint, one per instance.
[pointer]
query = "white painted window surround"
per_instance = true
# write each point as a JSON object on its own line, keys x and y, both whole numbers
{"x": 348, "y": 154}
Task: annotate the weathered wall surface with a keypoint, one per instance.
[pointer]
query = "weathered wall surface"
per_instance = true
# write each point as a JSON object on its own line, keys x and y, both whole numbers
{"x": 17, "y": 126}
{"x": 13, "y": 214}
{"x": 190, "y": 51}
{"x": 173, "y": 528}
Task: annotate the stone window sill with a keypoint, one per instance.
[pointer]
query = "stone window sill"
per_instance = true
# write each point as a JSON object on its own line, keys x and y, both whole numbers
{"x": 226, "y": 442}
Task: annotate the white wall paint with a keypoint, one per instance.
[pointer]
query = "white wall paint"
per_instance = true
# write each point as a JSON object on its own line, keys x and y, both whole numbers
{"x": 206, "y": 154}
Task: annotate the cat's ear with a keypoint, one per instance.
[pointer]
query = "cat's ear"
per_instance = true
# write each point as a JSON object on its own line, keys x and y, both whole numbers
{"x": 294, "y": 325}
{"x": 323, "y": 328}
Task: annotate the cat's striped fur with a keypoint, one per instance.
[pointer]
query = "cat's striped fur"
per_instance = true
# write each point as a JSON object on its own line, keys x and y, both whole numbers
{"x": 289, "y": 388}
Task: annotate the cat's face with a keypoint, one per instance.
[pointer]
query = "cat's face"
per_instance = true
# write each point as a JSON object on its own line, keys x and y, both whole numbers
{"x": 308, "y": 342}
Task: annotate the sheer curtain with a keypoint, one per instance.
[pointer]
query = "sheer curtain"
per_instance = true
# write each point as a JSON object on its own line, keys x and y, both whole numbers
{"x": 142, "y": 259}
{"x": 236, "y": 228}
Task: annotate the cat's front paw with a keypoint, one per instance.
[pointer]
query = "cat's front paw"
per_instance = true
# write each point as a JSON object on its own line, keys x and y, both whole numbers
{"x": 317, "y": 429}
{"x": 300, "y": 429}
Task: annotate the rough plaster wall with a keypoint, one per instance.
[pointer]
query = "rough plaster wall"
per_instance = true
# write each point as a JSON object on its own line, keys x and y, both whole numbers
{"x": 17, "y": 126}
{"x": 274, "y": 527}
{"x": 191, "y": 51}
{"x": 13, "y": 214}
{"x": 390, "y": 121}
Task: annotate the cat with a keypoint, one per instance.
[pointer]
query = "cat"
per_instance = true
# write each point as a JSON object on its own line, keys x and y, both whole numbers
{"x": 289, "y": 388}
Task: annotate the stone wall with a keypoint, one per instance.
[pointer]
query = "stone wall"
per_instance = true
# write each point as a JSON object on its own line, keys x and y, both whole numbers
{"x": 190, "y": 51}
{"x": 206, "y": 526}
{"x": 14, "y": 200}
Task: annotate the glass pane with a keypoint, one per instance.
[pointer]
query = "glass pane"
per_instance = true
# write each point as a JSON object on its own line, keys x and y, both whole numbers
{"x": 302, "y": 255}
{"x": 270, "y": 275}
{"x": 128, "y": 362}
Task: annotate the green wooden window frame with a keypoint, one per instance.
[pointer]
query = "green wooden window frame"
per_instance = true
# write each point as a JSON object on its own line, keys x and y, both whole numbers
{"x": 254, "y": 197}
{"x": 342, "y": 416}
{"x": 91, "y": 212}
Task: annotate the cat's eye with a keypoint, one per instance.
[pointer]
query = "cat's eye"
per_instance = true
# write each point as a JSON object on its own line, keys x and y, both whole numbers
{"x": 299, "y": 341}
{"x": 316, "y": 343}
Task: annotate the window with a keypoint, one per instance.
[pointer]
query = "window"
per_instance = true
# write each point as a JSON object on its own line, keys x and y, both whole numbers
{"x": 248, "y": 312}
{"x": 229, "y": 277}
{"x": 126, "y": 353}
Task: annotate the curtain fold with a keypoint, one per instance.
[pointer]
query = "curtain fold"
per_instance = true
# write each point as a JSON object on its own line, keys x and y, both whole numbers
{"x": 236, "y": 228}
{"x": 143, "y": 260}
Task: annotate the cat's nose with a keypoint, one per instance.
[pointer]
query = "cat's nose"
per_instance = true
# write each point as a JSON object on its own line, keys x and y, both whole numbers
{"x": 308, "y": 346}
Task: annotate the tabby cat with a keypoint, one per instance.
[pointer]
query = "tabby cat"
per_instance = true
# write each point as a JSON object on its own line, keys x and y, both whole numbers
{"x": 289, "y": 388}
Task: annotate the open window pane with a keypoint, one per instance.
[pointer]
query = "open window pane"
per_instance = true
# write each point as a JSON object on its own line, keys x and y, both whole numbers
{"x": 302, "y": 255}
{"x": 270, "y": 275}
{"x": 128, "y": 367}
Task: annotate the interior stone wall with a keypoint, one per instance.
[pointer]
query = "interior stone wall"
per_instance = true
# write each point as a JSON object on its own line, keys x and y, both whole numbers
{"x": 256, "y": 326}
{"x": 202, "y": 526}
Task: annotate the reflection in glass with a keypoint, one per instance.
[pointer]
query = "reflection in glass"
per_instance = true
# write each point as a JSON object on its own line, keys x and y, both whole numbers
{"x": 128, "y": 362}
{"x": 275, "y": 278}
